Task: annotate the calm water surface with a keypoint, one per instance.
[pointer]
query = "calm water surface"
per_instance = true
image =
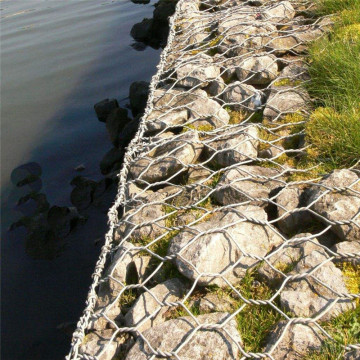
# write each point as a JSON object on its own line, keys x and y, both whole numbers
{"x": 58, "y": 58}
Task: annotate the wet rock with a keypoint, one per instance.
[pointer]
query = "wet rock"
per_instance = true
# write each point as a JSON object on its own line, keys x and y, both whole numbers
{"x": 82, "y": 194}
{"x": 288, "y": 201}
{"x": 242, "y": 97}
{"x": 258, "y": 69}
{"x": 307, "y": 297}
{"x": 142, "y": 31}
{"x": 196, "y": 71}
{"x": 297, "y": 340}
{"x": 62, "y": 219}
{"x": 247, "y": 183}
{"x": 147, "y": 312}
{"x": 128, "y": 132}
{"x": 104, "y": 108}
{"x": 98, "y": 344}
{"x": 217, "y": 251}
{"x": 163, "y": 10}
{"x": 167, "y": 336}
{"x": 32, "y": 204}
{"x": 233, "y": 146}
{"x": 337, "y": 205}
{"x": 286, "y": 100}
{"x": 111, "y": 161}
{"x": 286, "y": 257}
{"x": 168, "y": 159}
{"x": 115, "y": 122}
{"x": 138, "y": 95}
{"x": 26, "y": 174}
{"x": 348, "y": 247}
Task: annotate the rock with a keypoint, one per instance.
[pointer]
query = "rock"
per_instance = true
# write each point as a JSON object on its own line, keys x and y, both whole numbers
{"x": 138, "y": 95}
{"x": 163, "y": 10}
{"x": 26, "y": 174}
{"x": 233, "y": 146}
{"x": 111, "y": 161}
{"x": 216, "y": 87}
{"x": 159, "y": 120}
{"x": 215, "y": 303}
{"x": 348, "y": 247}
{"x": 98, "y": 344}
{"x": 196, "y": 71}
{"x": 204, "y": 344}
{"x": 295, "y": 71}
{"x": 307, "y": 297}
{"x": 278, "y": 13}
{"x": 104, "y": 108}
{"x": 286, "y": 257}
{"x": 168, "y": 159}
{"x": 272, "y": 152}
{"x": 352, "y": 355}
{"x": 247, "y": 183}
{"x": 82, "y": 194}
{"x": 61, "y": 219}
{"x": 196, "y": 175}
{"x": 112, "y": 311}
{"x": 291, "y": 220}
{"x": 32, "y": 204}
{"x": 242, "y": 97}
{"x": 217, "y": 251}
{"x": 128, "y": 132}
{"x": 258, "y": 69}
{"x": 296, "y": 341}
{"x": 147, "y": 312}
{"x": 286, "y": 100}
{"x": 337, "y": 205}
{"x": 285, "y": 42}
{"x": 115, "y": 122}
{"x": 142, "y": 265}
{"x": 143, "y": 222}
{"x": 142, "y": 31}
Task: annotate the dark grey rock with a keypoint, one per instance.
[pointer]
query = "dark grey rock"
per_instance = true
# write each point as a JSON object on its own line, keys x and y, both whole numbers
{"x": 111, "y": 161}
{"x": 138, "y": 94}
{"x": 104, "y": 108}
{"x": 115, "y": 122}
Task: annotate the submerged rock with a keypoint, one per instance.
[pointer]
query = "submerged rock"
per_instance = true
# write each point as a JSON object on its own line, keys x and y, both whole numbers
{"x": 138, "y": 95}
{"x": 104, "y": 108}
{"x": 115, "y": 122}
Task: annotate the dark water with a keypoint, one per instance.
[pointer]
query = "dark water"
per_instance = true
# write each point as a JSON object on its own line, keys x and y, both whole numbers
{"x": 58, "y": 58}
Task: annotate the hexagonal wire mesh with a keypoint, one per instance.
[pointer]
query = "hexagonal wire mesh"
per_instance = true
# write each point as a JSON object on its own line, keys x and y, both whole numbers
{"x": 223, "y": 242}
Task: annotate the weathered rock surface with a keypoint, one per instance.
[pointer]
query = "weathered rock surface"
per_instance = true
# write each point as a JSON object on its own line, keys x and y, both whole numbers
{"x": 290, "y": 220}
{"x": 258, "y": 69}
{"x": 352, "y": 355}
{"x": 215, "y": 303}
{"x": 233, "y": 146}
{"x": 147, "y": 312}
{"x": 280, "y": 12}
{"x": 285, "y": 100}
{"x": 348, "y": 247}
{"x": 159, "y": 120}
{"x": 337, "y": 205}
{"x": 297, "y": 341}
{"x": 204, "y": 344}
{"x": 247, "y": 183}
{"x": 217, "y": 251}
{"x": 307, "y": 297}
{"x": 286, "y": 258}
{"x": 295, "y": 71}
{"x": 168, "y": 159}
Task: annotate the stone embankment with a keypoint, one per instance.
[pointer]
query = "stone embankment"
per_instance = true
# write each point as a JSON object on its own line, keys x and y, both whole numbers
{"x": 226, "y": 247}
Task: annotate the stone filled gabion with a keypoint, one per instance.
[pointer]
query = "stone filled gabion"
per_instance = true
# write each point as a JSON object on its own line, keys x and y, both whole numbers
{"x": 209, "y": 197}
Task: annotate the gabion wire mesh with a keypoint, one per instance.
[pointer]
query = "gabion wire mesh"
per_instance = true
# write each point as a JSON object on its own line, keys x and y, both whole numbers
{"x": 221, "y": 231}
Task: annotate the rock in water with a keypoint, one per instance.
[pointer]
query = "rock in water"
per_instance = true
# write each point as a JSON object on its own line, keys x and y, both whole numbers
{"x": 104, "y": 108}
{"x": 138, "y": 94}
{"x": 115, "y": 122}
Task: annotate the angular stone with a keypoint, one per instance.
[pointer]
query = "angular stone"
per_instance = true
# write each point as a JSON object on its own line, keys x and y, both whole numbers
{"x": 115, "y": 122}
{"x": 307, "y": 297}
{"x": 104, "y": 108}
{"x": 233, "y": 146}
{"x": 212, "y": 344}
{"x": 242, "y": 97}
{"x": 272, "y": 152}
{"x": 138, "y": 95}
{"x": 147, "y": 312}
{"x": 286, "y": 258}
{"x": 297, "y": 340}
{"x": 286, "y": 100}
{"x": 159, "y": 120}
{"x": 247, "y": 183}
{"x": 168, "y": 159}
{"x": 98, "y": 321}
{"x": 216, "y": 87}
{"x": 278, "y": 13}
{"x": 295, "y": 71}
{"x": 285, "y": 42}
{"x": 224, "y": 247}
{"x": 342, "y": 206}
{"x": 289, "y": 200}
{"x": 215, "y": 303}
{"x": 348, "y": 247}
{"x": 196, "y": 71}
{"x": 198, "y": 174}
{"x": 111, "y": 161}
{"x": 258, "y": 69}
{"x": 142, "y": 265}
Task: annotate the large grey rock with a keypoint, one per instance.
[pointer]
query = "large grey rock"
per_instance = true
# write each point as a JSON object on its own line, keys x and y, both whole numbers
{"x": 285, "y": 100}
{"x": 168, "y": 159}
{"x": 278, "y": 13}
{"x": 115, "y": 122}
{"x": 196, "y": 71}
{"x": 295, "y": 71}
{"x": 297, "y": 340}
{"x": 222, "y": 245}
{"x": 138, "y": 95}
{"x": 160, "y": 120}
{"x": 336, "y": 205}
{"x": 348, "y": 247}
{"x": 288, "y": 201}
{"x": 98, "y": 344}
{"x": 242, "y": 97}
{"x": 147, "y": 312}
{"x": 258, "y": 69}
{"x": 247, "y": 183}
{"x": 212, "y": 344}
{"x": 307, "y": 297}
{"x": 104, "y": 108}
{"x": 233, "y": 146}
{"x": 286, "y": 257}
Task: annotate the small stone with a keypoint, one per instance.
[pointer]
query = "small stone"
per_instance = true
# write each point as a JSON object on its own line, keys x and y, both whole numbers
{"x": 147, "y": 312}
{"x": 138, "y": 95}
{"x": 213, "y": 344}
{"x": 104, "y": 108}
{"x": 297, "y": 340}
{"x": 247, "y": 183}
